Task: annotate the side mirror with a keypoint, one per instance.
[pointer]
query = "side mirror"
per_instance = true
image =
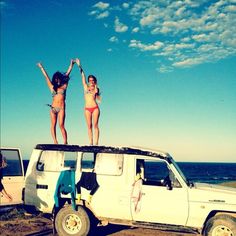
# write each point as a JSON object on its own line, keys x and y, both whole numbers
{"x": 169, "y": 187}
{"x": 167, "y": 183}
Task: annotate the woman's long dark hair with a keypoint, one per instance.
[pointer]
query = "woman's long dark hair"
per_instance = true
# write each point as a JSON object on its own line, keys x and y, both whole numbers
{"x": 59, "y": 79}
{"x": 95, "y": 81}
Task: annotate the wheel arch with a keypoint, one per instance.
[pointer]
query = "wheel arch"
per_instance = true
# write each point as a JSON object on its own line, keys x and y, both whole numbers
{"x": 216, "y": 213}
{"x": 89, "y": 211}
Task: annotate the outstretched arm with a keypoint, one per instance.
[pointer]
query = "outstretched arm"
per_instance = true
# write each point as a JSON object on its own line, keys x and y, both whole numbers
{"x": 49, "y": 83}
{"x": 72, "y": 62}
{"x": 82, "y": 72}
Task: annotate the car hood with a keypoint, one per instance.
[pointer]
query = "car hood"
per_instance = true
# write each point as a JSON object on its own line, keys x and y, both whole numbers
{"x": 212, "y": 193}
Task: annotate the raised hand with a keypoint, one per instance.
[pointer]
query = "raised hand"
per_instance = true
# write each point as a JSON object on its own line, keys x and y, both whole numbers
{"x": 77, "y": 61}
{"x": 39, "y": 64}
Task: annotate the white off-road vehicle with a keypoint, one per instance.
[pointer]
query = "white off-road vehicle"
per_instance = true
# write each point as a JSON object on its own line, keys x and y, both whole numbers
{"x": 86, "y": 185}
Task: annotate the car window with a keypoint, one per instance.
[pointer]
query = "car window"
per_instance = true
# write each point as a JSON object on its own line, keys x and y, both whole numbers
{"x": 109, "y": 164}
{"x": 56, "y": 160}
{"x": 13, "y": 162}
{"x": 50, "y": 161}
{"x": 102, "y": 163}
{"x": 156, "y": 173}
{"x": 88, "y": 160}
{"x": 70, "y": 159}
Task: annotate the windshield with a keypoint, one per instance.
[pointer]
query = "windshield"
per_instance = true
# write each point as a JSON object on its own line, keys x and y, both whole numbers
{"x": 179, "y": 171}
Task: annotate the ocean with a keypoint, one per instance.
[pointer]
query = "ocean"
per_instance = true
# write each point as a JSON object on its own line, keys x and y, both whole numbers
{"x": 204, "y": 172}
{"x": 208, "y": 172}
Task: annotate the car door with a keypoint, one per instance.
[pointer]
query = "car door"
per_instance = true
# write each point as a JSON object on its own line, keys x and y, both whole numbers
{"x": 161, "y": 198}
{"x": 13, "y": 176}
{"x": 42, "y": 177}
{"x": 112, "y": 197}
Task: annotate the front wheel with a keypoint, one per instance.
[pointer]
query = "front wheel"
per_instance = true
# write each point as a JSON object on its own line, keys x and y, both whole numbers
{"x": 71, "y": 222}
{"x": 221, "y": 225}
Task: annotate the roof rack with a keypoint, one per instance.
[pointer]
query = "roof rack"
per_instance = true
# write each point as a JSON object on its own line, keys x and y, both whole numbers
{"x": 102, "y": 149}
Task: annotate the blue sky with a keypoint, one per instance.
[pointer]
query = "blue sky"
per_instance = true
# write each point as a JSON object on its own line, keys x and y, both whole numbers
{"x": 166, "y": 70}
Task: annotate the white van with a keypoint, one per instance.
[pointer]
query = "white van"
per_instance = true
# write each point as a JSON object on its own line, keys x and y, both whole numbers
{"x": 13, "y": 176}
{"x": 81, "y": 185}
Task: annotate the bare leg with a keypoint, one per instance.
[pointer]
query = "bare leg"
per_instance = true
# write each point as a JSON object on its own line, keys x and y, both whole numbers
{"x": 96, "y": 115}
{"x": 62, "y": 116}
{"x": 53, "y": 126}
{"x": 88, "y": 117}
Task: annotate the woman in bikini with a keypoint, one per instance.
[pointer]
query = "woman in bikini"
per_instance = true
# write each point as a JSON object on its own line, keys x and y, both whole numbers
{"x": 58, "y": 87}
{"x": 91, "y": 110}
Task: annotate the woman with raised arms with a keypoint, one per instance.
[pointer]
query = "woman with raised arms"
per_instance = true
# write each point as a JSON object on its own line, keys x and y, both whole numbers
{"x": 58, "y": 86}
{"x": 91, "y": 110}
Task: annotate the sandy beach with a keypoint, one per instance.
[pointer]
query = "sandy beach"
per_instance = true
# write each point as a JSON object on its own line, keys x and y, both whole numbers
{"x": 18, "y": 222}
{"x": 22, "y": 224}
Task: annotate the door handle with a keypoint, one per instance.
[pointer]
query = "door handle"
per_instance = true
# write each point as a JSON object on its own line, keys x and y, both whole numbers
{"x": 41, "y": 186}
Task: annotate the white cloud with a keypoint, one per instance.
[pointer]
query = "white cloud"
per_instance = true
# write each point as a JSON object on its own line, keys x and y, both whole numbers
{"x": 188, "y": 62}
{"x": 201, "y": 37}
{"x": 147, "y": 20}
{"x": 125, "y": 5}
{"x": 189, "y": 29}
{"x": 113, "y": 39}
{"x": 180, "y": 11}
{"x": 120, "y": 27}
{"x": 91, "y": 13}
{"x": 145, "y": 47}
{"x": 226, "y": 38}
{"x": 102, "y": 15}
{"x": 185, "y": 39}
{"x": 184, "y": 46}
{"x": 102, "y": 10}
{"x": 165, "y": 69}
{"x": 185, "y": 33}
{"x": 231, "y": 8}
{"x": 135, "y": 30}
{"x": 102, "y": 5}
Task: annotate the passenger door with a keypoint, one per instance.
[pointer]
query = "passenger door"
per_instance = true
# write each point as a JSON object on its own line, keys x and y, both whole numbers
{"x": 112, "y": 198}
{"x": 42, "y": 177}
{"x": 13, "y": 176}
{"x": 159, "y": 203}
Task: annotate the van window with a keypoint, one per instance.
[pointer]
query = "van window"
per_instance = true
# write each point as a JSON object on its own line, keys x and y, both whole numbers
{"x": 156, "y": 173}
{"x": 88, "y": 160}
{"x": 56, "y": 160}
{"x": 50, "y": 161}
{"x": 70, "y": 159}
{"x": 14, "y": 166}
{"x": 109, "y": 164}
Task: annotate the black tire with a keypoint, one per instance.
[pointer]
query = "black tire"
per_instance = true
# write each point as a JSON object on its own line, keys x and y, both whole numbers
{"x": 71, "y": 222}
{"x": 221, "y": 225}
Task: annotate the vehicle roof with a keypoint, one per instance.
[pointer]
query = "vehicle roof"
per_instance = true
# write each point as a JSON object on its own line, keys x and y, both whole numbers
{"x": 104, "y": 149}
{"x": 9, "y": 148}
